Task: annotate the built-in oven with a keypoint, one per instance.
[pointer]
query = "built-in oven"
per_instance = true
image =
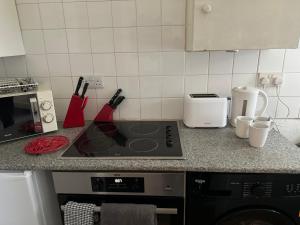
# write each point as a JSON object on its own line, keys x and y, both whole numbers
{"x": 164, "y": 190}
{"x": 26, "y": 114}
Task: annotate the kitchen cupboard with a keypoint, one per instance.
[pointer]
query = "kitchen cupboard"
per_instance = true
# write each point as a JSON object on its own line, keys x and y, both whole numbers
{"x": 242, "y": 24}
{"x": 11, "y": 43}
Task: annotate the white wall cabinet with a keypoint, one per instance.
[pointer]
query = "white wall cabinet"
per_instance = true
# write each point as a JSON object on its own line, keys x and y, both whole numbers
{"x": 242, "y": 24}
{"x": 11, "y": 42}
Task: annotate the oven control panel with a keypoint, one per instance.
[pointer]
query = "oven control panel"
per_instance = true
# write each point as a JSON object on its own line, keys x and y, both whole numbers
{"x": 118, "y": 184}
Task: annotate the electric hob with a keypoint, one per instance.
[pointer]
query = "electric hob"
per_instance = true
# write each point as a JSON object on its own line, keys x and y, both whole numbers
{"x": 128, "y": 139}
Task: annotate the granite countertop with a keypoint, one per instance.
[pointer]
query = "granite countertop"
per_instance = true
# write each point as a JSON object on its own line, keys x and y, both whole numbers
{"x": 209, "y": 150}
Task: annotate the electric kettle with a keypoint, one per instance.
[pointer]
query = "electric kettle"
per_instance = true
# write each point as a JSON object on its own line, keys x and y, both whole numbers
{"x": 244, "y": 102}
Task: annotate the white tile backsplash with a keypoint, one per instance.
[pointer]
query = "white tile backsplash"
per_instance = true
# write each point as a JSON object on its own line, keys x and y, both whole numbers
{"x": 137, "y": 45}
{"x": 52, "y": 15}
{"x": 33, "y": 41}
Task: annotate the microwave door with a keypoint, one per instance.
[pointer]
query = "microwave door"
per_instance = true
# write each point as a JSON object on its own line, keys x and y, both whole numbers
{"x": 19, "y": 117}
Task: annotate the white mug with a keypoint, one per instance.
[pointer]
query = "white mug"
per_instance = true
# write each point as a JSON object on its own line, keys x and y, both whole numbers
{"x": 242, "y": 126}
{"x": 258, "y": 134}
{"x": 263, "y": 120}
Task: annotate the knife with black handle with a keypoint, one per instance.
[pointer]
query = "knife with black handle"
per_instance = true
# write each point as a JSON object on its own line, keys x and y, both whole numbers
{"x": 116, "y": 95}
{"x": 78, "y": 86}
{"x": 85, "y": 87}
{"x": 117, "y": 102}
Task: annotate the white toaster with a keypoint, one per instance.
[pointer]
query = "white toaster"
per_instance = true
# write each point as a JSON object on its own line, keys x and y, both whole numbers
{"x": 205, "y": 110}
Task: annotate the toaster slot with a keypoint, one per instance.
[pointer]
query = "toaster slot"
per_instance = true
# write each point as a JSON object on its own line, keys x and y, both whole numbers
{"x": 204, "y": 96}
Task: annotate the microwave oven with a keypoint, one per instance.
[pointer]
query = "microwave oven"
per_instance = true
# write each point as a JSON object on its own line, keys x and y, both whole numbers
{"x": 26, "y": 114}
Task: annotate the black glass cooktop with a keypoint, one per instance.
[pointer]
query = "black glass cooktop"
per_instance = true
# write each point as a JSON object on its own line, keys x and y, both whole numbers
{"x": 128, "y": 139}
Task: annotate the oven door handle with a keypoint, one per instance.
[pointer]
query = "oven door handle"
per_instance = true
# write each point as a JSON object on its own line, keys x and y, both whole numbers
{"x": 161, "y": 211}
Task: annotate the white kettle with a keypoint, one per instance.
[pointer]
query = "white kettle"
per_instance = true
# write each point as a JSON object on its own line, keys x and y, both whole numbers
{"x": 244, "y": 102}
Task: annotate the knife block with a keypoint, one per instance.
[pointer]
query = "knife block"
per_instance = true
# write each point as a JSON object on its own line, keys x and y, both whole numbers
{"x": 105, "y": 114}
{"x": 75, "y": 113}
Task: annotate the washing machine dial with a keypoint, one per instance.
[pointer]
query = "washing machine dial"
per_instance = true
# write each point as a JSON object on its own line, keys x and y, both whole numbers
{"x": 46, "y": 105}
{"x": 258, "y": 190}
{"x": 48, "y": 118}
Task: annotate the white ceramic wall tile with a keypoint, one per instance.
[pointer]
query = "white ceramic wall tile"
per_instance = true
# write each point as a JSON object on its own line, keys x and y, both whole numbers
{"x": 41, "y": 1}
{"x": 127, "y": 64}
{"x": 221, "y": 62}
{"x": 44, "y": 83}
{"x": 294, "y": 108}
{"x": 102, "y": 40}
{"x": 271, "y": 60}
{"x": 15, "y": 66}
{"x": 104, "y": 64}
{"x": 26, "y": 1}
{"x": 239, "y": 80}
{"x": 79, "y": 40}
{"x": 292, "y": 61}
{"x": 172, "y": 108}
{"x": 196, "y": 62}
{"x": 130, "y": 109}
{"x": 76, "y": 15}
{"x": 91, "y": 109}
{"x": 56, "y": 41}
{"x": 99, "y": 14}
{"x": 172, "y": 63}
{"x": 173, "y": 38}
{"x": 151, "y": 109}
{"x": 291, "y": 84}
{"x": 81, "y": 64}
{"x": 110, "y": 87}
{"x": 272, "y": 106}
{"x": 196, "y": 84}
{"x": 220, "y": 85}
{"x": 62, "y": 87}
{"x": 130, "y": 86}
{"x": 125, "y": 39}
{"x": 61, "y": 107}
{"x": 33, "y": 41}
{"x": 149, "y": 39}
{"x": 151, "y": 87}
{"x": 37, "y": 65}
{"x": 124, "y": 13}
{"x": 29, "y": 16}
{"x": 246, "y": 61}
{"x": 172, "y": 86}
{"x": 150, "y": 63}
{"x": 173, "y": 12}
{"x": 52, "y": 15}
{"x": 148, "y": 12}
{"x": 59, "y": 64}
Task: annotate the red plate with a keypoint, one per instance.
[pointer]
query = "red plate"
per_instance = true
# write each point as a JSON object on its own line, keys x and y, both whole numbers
{"x": 48, "y": 144}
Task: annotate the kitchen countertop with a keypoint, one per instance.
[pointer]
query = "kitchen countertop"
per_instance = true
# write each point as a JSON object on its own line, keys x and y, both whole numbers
{"x": 207, "y": 150}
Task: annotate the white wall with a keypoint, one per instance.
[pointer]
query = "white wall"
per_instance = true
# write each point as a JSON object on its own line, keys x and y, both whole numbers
{"x": 137, "y": 45}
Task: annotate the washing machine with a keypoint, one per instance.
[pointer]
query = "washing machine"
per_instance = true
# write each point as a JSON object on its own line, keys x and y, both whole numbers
{"x": 242, "y": 199}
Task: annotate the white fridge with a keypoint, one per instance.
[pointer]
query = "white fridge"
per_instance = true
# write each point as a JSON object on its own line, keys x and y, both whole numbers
{"x": 28, "y": 198}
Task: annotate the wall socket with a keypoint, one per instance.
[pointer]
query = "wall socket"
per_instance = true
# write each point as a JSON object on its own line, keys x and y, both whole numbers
{"x": 96, "y": 82}
{"x": 270, "y": 79}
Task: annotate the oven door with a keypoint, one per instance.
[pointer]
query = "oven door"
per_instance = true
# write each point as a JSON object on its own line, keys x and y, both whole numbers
{"x": 170, "y": 209}
{"x": 19, "y": 117}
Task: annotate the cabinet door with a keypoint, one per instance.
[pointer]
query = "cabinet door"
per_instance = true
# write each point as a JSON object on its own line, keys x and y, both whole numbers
{"x": 242, "y": 24}
{"x": 11, "y": 42}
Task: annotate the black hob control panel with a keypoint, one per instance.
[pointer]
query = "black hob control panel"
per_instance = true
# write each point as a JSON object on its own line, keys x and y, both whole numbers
{"x": 118, "y": 184}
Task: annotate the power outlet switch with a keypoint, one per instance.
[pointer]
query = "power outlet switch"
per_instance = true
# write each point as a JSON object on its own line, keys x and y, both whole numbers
{"x": 96, "y": 82}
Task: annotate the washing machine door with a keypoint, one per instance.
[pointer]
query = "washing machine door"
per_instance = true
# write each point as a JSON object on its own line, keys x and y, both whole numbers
{"x": 256, "y": 217}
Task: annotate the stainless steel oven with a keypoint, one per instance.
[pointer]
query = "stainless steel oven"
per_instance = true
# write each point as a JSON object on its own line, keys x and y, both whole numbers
{"x": 26, "y": 114}
{"x": 165, "y": 190}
